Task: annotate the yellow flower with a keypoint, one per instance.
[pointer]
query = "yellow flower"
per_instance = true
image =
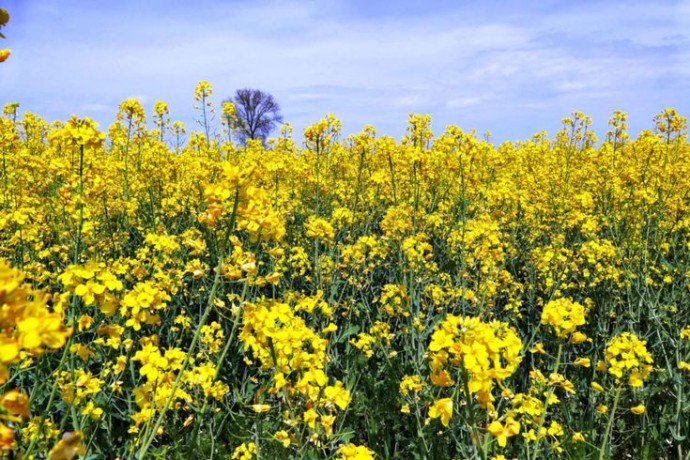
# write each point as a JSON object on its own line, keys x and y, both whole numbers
{"x": 327, "y": 422}
{"x": 441, "y": 339}
{"x": 685, "y": 333}
{"x": 578, "y": 337}
{"x": 583, "y": 362}
{"x": 15, "y": 402}
{"x": 597, "y": 387}
{"x": 6, "y": 437}
{"x": 9, "y": 351}
{"x": 602, "y": 409}
{"x": 319, "y": 228}
{"x": 4, "y": 54}
{"x": 490, "y": 352}
{"x": 337, "y": 394}
{"x": 283, "y": 437}
{"x": 635, "y": 380}
{"x": 85, "y": 322}
{"x": 411, "y": 384}
{"x": 627, "y": 355}
{"x": 555, "y": 429}
{"x": 442, "y": 408}
{"x": 577, "y": 437}
{"x": 503, "y": 431}
{"x": 638, "y": 410}
{"x": 564, "y": 316}
{"x": 244, "y": 451}
{"x": 530, "y": 435}
{"x": 68, "y": 447}
{"x": 310, "y": 418}
{"x": 538, "y": 348}
{"x": 203, "y": 90}
{"x": 83, "y": 132}
{"x": 83, "y": 351}
{"x": 90, "y": 410}
{"x": 353, "y": 452}
{"x": 683, "y": 366}
{"x": 330, "y": 328}
{"x": 260, "y": 408}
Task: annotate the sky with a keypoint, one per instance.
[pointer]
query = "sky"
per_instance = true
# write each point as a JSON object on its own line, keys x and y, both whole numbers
{"x": 513, "y": 68}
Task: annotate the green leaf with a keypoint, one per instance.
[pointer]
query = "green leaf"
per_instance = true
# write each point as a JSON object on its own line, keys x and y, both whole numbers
{"x": 350, "y": 331}
{"x": 677, "y": 435}
{"x": 4, "y": 17}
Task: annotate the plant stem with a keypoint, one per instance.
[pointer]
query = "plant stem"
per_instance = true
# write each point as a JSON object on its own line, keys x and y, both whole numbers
{"x": 470, "y": 407}
{"x": 609, "y": 425}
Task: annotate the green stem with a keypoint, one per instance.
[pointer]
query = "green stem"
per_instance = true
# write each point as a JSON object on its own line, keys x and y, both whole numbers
{"x": 317, "y": 171}
{"x": 80, "y": 205}
{"x": 609, "y": 425}
{"x": 392, "y": 171}
{"x": 126, "y": 178}
{"x": 360, "y": 168}
{"x": 476, "y": 441}
{"x": 206, "y": 127}
{"x": 420, "y": 427}
{"x": 226, "y": 348}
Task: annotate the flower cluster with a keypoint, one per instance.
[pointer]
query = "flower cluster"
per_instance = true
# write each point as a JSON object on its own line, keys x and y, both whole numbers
{"x": 489, "y": 353}
{"x": 295, "y": 356}
{"x": 627, "y": 358}
{"x": 564, "y": 316}
{"x": 27, "y": 328}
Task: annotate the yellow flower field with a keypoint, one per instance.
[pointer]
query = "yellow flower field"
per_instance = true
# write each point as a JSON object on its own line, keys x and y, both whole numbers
{"x": 171, "y": 294}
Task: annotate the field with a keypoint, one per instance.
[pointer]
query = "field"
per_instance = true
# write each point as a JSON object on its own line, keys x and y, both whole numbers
{"x": 172, "y": 294}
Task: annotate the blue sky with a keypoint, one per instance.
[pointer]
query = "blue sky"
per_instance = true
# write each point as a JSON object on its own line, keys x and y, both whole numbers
{"x": 511, "y": 67}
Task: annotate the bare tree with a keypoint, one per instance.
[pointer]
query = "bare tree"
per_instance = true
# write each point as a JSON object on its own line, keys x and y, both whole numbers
{"x": 256, "y": 114}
